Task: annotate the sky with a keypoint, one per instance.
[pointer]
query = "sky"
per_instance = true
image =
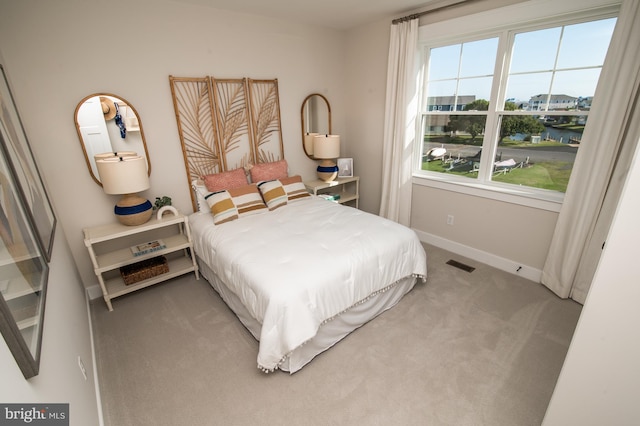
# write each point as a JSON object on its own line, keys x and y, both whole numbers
{"x": 576, "y": 52}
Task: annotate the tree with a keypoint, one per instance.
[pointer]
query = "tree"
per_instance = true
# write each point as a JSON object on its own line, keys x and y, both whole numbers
{"x": 510, "y": 106}
{"x": 474, "y": 128}
{"x": 477, "y": 105}
{"x": 474, "y": 124}
{"x": 512, "y": 124}
{"x": 527, "y": 125}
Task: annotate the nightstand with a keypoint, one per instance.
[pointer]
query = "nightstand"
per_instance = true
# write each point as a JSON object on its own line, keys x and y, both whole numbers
{"x": 347, "y": 188}
{"x": 110, "y": 248}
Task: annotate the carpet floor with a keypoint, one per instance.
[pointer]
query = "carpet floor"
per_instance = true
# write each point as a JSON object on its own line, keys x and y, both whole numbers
{"x": 479, "y": 348}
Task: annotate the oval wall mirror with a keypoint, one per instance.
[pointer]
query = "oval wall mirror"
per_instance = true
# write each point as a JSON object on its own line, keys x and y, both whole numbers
{"x": 108, "y": 123}
{"x": 316, "y": 118}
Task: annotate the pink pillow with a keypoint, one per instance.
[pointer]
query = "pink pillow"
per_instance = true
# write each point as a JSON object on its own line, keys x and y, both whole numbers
{"x": 226, "y": 180}
{"x": 269, "y": 171}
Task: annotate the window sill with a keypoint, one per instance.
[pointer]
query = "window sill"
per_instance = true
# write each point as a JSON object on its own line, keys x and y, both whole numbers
{"x": 529, "y": 197}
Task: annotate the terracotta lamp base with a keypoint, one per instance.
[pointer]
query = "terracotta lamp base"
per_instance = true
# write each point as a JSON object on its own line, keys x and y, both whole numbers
{"x": 133, "y": 210}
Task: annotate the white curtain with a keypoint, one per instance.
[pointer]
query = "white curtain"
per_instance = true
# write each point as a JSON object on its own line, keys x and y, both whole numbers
{"x": 399, "y": 123}
{"x": 601, "y": 166}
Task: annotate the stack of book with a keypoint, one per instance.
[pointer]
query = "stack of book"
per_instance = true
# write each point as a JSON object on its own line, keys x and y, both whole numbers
{"x": 330, "y": 196}
{"x": 151, "y": 246}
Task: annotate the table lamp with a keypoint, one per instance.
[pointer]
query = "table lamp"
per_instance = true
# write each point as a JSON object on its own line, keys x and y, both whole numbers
{"x": 327, "y": 148}
{"x": 125, "y": 176}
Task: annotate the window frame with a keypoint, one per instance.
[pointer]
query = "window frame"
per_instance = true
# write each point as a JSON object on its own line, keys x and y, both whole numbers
{"x": 530, "y": 17}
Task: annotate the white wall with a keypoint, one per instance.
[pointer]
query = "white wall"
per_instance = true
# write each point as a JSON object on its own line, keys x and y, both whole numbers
{"x": 510, "y": 231}
{"x": 366, "y": 58}
{"x": 600, "y": 380}
{"x": 66, "y": 336}
{"x": 59, "y": 52}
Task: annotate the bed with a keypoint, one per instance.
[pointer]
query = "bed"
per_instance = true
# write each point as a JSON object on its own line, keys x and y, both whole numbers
{"x": 300, "y": 272}
{"x": 304, "y": 275}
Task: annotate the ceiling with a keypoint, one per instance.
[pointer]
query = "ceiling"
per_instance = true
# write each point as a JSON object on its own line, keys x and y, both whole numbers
{"x": 339, "y": 14}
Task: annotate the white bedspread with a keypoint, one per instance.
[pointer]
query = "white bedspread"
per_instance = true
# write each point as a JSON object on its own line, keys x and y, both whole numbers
{"x": 304, "y": 263}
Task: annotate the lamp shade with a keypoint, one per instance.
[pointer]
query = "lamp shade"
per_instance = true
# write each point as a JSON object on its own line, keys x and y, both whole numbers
{"x": 123, "y": 174}
{"x": 326, "y": 146}
{"x": 308, "y": 142}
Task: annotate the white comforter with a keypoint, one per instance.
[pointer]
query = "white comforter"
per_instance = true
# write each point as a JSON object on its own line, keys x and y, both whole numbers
{"x": 304, "y": 263}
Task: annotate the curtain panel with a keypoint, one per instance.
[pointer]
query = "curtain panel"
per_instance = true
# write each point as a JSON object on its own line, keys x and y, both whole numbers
{"x": 400, "y": 123}
{"x": 602, "y": 163}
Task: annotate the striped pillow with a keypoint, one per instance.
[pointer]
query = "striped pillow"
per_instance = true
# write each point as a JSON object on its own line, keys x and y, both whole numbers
{"x": 294, "y": 188}
{"x": 273, "y": 194}
{"x": 231, "y": 204}
{"x": 248, "y": 200}
{"x": 222, "y": 207}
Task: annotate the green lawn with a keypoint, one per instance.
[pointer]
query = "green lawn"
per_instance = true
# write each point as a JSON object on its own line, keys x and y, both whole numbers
{"x": 553, "y": 176}
{"x": 545, "y": 175}
{"x": 570, "y": 126}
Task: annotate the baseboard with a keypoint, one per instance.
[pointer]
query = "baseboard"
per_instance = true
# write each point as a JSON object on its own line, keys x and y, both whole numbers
{"x": 94, "y": 360}
{"x": 94, "y": 292}
{"x": 490, "y": 259}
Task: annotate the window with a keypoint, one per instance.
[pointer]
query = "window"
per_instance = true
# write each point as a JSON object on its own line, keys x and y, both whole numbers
{"x": 509, "y": 108}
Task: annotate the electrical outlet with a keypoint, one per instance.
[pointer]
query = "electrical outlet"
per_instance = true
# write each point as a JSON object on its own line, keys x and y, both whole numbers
{"x": 450, "y": 219}
{"x": 82, "y": 369}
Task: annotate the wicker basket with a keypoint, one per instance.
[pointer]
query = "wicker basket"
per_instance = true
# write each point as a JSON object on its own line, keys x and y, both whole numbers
{"x": 143, "y": 270}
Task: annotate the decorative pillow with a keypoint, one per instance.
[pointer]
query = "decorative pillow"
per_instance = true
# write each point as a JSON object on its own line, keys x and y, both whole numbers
{"x": 273, "y": 194}
{"x": 269, "y": 171}
{"x": 222, "y": 207}
{"x": 294, "y": 188}
{"x": 226, "y": 180}
{"x": 200, "y": 192}
{"x": 248, "y": 200}
{"x": 231, "y": 204}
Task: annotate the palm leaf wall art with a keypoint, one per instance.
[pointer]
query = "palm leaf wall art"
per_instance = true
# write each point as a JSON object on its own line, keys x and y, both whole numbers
{"x": 194, "y": 114}
{"x": 232, "y": 121}
{"x": 265, "y": 120}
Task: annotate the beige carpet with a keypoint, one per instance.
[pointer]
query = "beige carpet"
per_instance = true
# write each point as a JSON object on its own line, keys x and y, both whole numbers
{"x": 480, "y": 348}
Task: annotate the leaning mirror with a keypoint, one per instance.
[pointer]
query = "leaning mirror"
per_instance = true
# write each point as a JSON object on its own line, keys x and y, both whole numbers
{"x": 316, "y": 118}
{"x": 23, "y": 273}
{"x": 108, "y": 123}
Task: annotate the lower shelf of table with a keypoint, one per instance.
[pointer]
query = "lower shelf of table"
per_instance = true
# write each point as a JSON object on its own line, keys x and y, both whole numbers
{"x": 345, "y": 197}
{"x": 178, "y": 266}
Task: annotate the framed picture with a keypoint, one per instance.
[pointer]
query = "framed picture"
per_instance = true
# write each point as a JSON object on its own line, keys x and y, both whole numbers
{"x": 24, "y": 272}
{"x": 21, "y": 161}
{"x": 345, "y": 167}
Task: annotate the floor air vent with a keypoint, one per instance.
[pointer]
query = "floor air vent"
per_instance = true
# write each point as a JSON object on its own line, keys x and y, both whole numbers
{"x": 461, "y": 265}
